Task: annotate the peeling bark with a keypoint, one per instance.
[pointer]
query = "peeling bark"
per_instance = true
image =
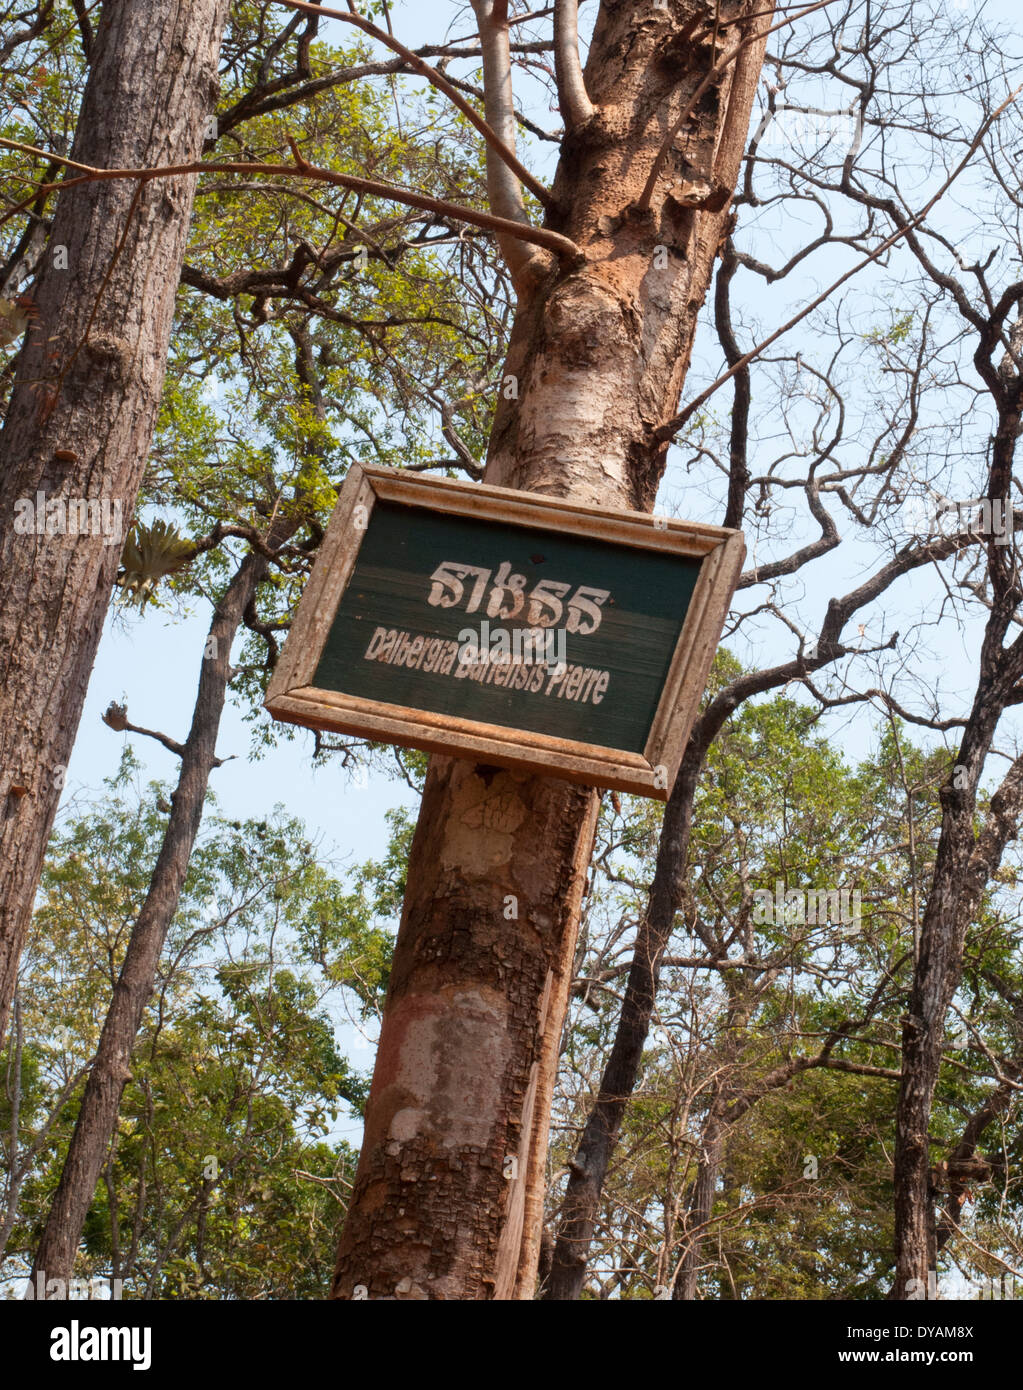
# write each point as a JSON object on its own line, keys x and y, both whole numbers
{"x": 598, "y": 352}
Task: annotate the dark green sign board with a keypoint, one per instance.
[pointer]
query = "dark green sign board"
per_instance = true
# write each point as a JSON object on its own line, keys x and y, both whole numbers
{"x": 389, "y": 643}
{"x": 518, "y": 629}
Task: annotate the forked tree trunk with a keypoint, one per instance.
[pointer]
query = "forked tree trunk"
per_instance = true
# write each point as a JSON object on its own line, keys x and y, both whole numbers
{"x": 477, "y": 999}
{"x": 82, "y": 412}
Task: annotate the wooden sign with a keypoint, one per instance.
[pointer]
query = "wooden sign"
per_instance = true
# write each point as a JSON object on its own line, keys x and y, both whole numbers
{"x": 509, "y": 627}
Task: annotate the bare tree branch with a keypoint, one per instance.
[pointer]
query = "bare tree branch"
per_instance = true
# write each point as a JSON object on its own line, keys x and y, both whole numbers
{"x": 576, "y": 107}
{"x": 505, "y": 191}
{"x": 496, "y": 138}
{"x": 667, "y": 431}
{"x": 539, "y": 236}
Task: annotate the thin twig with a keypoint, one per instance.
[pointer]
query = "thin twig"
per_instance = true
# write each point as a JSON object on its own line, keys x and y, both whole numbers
{"x": 666, "y": 432}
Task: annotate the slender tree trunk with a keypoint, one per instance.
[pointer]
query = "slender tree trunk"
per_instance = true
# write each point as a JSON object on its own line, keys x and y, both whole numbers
{"x": 110, "y": 1071}
{"x": 960, "y": 860}
{"x": 598, "y": 354}
{"x": 700, "y": 1209}
{"x": 82, "y": 412}
{"x": 17, "y": 1168}
{"x": 962, "y": 867}
{"x": 600, "y": 1135}
{"x": 743, "y": 991}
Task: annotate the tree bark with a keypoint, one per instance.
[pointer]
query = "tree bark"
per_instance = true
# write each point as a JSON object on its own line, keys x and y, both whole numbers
{"x": 111, "y": 1068}
{"x": 598, "y": 354}
{"x": 84, "y": 404}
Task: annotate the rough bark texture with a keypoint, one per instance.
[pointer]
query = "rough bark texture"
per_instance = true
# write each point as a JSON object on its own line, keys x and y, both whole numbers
{"x": 97, "y": 1117}
{"x": 84, "y": 404}
{"x": 599, "y": 352}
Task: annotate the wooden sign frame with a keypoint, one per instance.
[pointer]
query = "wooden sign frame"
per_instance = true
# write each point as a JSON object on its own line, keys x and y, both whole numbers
{"x": 293, "y": 697}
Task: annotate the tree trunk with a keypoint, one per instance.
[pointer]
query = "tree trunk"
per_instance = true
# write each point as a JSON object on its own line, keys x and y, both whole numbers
{"x": 743, "y": 990}
{"x": 110, "y": 1071}
{"x": 700, "y": 1209}
{"x": 954, "y": 894}
{"x": 477, "y": 998}
{"x": 82, "y": 412}
{"x": 959, "y": 864}
{"x": 600, "y": 1135}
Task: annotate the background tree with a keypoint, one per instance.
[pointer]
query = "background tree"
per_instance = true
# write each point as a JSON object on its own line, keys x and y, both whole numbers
{"x": 268, "y": 471}
{"x": 222, "y": 1179}
{"x": 754, "y": 1159}
{"x": 829, "y": 146}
